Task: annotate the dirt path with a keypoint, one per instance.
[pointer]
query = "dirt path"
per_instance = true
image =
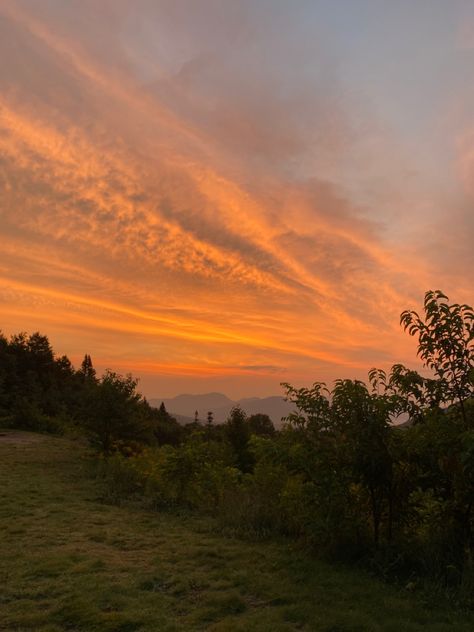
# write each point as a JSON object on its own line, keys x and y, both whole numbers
{"x": 17, "y": 437}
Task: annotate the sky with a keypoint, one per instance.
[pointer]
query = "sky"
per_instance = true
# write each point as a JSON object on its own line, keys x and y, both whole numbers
{"x": 223, "y": 195}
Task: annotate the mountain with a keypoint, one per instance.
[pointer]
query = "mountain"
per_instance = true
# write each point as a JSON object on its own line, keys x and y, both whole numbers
{"x": 184, "y": 406}
{"x": 275, "y": 407}
{"x": 187, "y": 404}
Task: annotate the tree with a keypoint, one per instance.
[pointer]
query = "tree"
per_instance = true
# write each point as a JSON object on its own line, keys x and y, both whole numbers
{"x": 237, "y": 432}
{"x": 5, "y": 368}
{"x": 87, "y": 370}
{"x": 165, "y": 427}
{"x": 349, "y": 427}
{"x": 32, "y": 374}
{"x": 210, "y": 421}
{"x": 261, "y": 424}
{"x": 446, "y": 345}
{"x": 412, "y": 393}
{"x": 363, "y": 417}
{"x": 313, "y": 406}
{"x": 115, "y": 412}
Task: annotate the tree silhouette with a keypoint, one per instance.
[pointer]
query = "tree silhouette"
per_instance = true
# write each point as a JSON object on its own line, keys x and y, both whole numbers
{"x": 446, "y": 344}
{"x": 116, "y": 412}
{"x": 87, "y": 370}
{"x": 237, "y": 432}
{"x": 165, "y": 427}
{"x": 261, "y": 424}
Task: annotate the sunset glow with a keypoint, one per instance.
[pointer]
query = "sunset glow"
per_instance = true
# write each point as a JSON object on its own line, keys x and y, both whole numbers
{"x": 221, "y": 196}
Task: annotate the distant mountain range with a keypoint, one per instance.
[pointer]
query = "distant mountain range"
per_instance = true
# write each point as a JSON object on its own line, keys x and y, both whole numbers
{"x": 183, "y": 407}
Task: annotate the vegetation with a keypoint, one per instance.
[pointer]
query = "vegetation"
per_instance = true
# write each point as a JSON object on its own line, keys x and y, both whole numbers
{"x": 340, "y": 478}
{"x": 69, "y": 561}
{"x": 42, "y": 392}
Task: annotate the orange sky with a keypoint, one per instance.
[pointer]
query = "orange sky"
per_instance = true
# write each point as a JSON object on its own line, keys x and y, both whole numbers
{"x": 196, "y": 198}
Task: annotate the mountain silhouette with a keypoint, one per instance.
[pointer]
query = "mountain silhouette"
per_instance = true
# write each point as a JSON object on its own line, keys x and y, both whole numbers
{"x": 183, "y": 407}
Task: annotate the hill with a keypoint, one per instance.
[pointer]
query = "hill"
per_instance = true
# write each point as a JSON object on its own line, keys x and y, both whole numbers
{"x": 72, "y": 562}
{"x": 183, "y": 407}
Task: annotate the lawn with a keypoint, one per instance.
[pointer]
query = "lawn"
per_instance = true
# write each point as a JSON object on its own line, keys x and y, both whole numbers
{"x": 71, "y": 562}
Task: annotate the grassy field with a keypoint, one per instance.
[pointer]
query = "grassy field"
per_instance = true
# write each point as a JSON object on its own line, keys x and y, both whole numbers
{"x": 71, "y": 562}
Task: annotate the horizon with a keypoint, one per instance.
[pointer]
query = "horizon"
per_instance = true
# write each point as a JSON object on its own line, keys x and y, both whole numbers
{"x": 220, "y": 196}
{"x": 214, "y": 393}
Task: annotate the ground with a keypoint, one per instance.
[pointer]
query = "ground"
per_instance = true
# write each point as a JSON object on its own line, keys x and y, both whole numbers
{"x": 68, "y": 561}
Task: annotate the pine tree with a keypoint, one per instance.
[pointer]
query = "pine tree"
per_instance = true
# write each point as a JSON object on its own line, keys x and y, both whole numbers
{"x": 87, "y": 370}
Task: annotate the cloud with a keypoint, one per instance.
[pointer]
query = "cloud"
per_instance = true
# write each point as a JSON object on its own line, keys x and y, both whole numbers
{"x": 175, "y": 193}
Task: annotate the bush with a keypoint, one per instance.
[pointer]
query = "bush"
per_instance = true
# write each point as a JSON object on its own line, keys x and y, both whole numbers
{"x": 27, "y": 416}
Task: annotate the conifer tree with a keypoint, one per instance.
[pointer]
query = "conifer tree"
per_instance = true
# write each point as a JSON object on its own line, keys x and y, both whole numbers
{"x": 87, "y": 369}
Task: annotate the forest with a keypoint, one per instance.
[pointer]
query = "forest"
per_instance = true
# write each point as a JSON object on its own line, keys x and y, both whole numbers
{"x": 342, "y": 477}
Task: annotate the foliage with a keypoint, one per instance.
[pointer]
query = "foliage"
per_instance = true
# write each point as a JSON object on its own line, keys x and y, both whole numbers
{"x": 36, "y": 388}
{"x": 87, "y": 371}
{"x": 237, "y": 433}
{"x": 115, "y": 412}
{"x": 261, "y": 424}
{"x": 446, "y": 344}
{"x": 166, "y": 429}
{"x": 193, "y": 475}
{"x": 351, "y": 426}
{"x": 43, "y": 392}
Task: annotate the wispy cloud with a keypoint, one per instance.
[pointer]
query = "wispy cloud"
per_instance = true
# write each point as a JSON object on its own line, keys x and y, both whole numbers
{"x": 182, "y": 191}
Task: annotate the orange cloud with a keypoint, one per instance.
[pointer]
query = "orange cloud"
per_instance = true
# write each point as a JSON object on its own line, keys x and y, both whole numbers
{"x": 132, "y": 222}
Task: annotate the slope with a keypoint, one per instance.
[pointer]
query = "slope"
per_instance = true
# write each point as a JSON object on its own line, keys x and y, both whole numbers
{"x": 70, "y": 562}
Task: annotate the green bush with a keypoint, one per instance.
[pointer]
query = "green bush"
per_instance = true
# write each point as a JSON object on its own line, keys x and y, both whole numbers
{"x": 27, "y": 416}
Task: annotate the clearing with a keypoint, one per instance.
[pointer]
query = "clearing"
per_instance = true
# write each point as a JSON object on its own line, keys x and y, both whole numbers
{"x": 70, "y": 562}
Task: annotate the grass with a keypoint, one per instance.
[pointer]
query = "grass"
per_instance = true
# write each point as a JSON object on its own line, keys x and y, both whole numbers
{"x": 70, "y": 562}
